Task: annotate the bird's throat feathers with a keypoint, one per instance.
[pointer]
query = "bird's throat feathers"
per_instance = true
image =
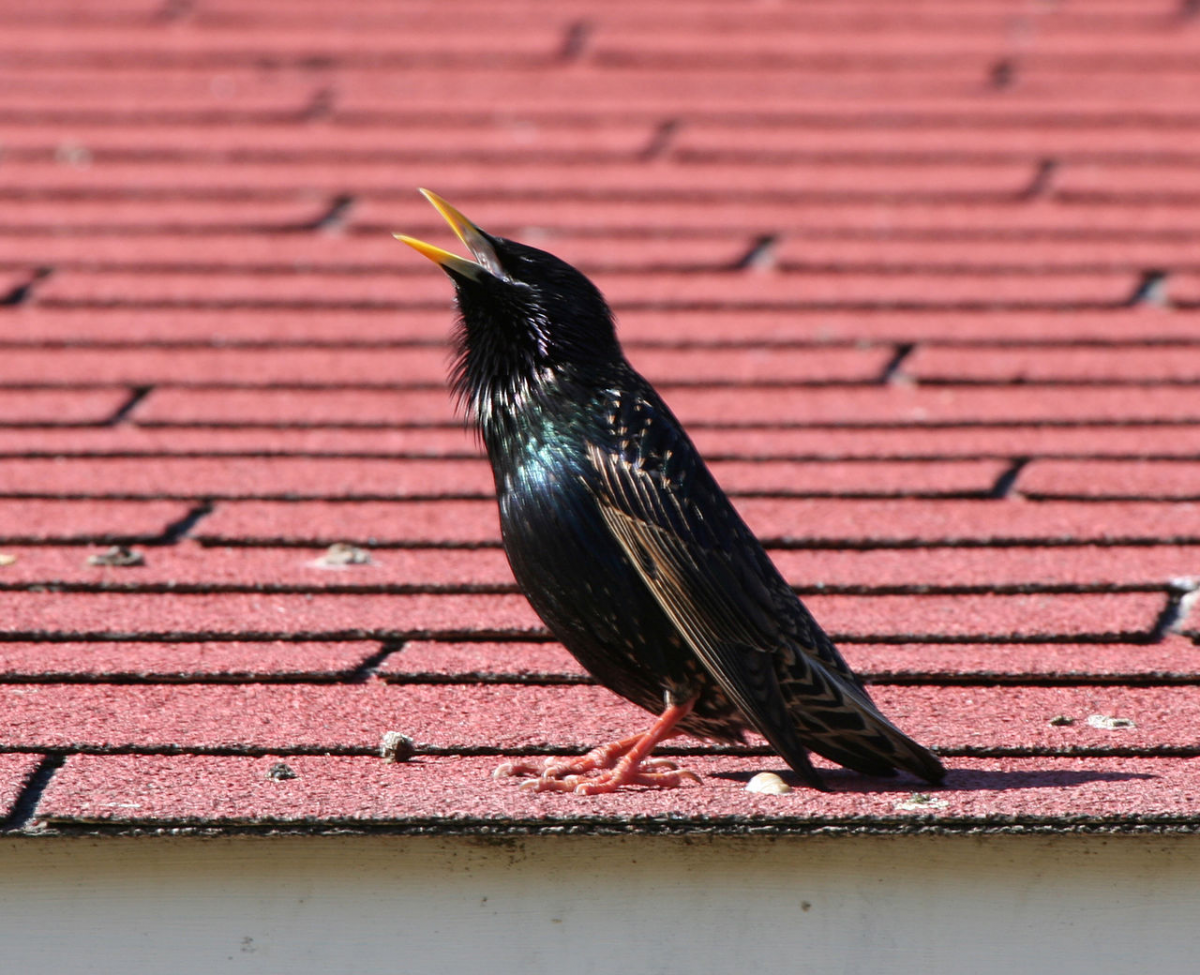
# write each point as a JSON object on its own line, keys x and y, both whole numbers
{"x": 512, "y": 365}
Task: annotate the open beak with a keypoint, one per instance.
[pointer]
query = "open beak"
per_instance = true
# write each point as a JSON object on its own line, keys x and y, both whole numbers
{"x": 475, "y": 240}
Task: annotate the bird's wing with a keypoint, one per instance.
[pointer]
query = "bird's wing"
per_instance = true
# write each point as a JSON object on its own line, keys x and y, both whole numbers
{"x": 715, "y": 582}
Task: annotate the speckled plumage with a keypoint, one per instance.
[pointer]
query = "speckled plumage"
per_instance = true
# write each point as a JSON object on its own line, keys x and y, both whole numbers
{"x": 621, "y": 538}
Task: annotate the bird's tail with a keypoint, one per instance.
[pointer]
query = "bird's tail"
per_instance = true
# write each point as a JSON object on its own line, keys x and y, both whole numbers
{"x": 879, "y": 749}
{"x": 837, "y": 720}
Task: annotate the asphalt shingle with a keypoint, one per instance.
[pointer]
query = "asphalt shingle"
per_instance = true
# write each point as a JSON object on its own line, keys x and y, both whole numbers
{"x": 924, "y": 284}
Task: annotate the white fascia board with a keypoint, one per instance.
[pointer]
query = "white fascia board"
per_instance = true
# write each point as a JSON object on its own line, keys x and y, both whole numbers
{"x": 560, "y": 905}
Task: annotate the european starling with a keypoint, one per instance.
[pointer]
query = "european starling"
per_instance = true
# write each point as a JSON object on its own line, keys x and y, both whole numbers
{"x": 626, "y": 546}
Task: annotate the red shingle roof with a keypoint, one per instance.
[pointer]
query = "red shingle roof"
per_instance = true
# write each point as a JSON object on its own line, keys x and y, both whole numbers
{"x": 923, "y": 281}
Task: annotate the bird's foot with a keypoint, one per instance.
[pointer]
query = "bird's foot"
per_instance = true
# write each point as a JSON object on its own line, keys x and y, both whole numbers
{"x": 609, "y": 767}
{"x": 656, "y": 776}
{"x": 586, "y": 777}
{"x": 604, "y": 757}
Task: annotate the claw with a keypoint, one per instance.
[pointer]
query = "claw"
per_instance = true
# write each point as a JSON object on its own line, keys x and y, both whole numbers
{"x": 510, "y": 769}
{"x": 661, "y": 763}
{"x": 609, "y": 767}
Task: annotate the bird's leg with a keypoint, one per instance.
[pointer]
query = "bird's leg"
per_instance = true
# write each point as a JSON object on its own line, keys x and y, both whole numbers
{"x": 624, "y": 762}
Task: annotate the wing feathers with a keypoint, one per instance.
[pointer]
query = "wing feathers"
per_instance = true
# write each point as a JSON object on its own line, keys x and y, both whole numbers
{"x": 739, "y": 616}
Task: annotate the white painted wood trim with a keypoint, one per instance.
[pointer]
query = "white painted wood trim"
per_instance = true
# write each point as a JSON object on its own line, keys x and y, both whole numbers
{"x": 561, "y": 905}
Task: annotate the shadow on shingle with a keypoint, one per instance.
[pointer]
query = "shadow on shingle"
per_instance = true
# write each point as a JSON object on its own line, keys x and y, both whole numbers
{"x": 957, "y": 780}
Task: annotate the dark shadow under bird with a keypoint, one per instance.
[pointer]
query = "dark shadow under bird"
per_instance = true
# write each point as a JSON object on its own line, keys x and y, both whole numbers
{"x": 625, "y": 545}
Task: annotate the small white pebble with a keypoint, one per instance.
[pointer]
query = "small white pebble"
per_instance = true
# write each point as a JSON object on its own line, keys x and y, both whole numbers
{"x": 768, "y": 783}
{"x": 1106, "y": 722}
{"x": 921, "y": 802}
{"x": 339, "y": 555}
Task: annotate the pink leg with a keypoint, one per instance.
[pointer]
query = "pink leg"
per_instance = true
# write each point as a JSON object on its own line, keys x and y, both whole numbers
{"x": 619, "y": 763}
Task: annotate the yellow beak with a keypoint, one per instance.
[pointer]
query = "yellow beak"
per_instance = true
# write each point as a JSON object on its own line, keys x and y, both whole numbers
{"x": 476, "y": 241}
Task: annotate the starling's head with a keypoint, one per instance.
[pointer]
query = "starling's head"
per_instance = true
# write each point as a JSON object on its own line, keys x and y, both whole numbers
{"x": 530, "y": 323}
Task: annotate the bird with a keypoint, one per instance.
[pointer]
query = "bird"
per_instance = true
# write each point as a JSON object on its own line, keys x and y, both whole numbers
{"x": 628, "y": 549}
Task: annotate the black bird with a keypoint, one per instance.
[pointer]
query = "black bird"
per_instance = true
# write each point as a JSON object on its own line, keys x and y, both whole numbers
{"x": 626, "y": 546}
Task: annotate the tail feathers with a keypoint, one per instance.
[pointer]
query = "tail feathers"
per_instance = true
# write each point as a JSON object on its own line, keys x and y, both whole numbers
{"x": 879, "y": 748}
{"x": 868, "y": 754}
{"x": 796, "y": 755}
{"x": 922, "y": 763}
{"x": 833, "y": 718}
